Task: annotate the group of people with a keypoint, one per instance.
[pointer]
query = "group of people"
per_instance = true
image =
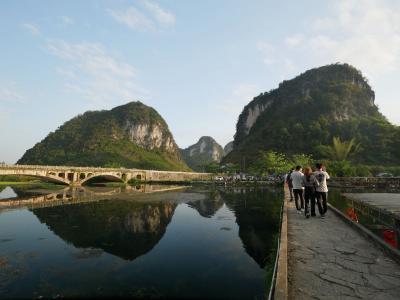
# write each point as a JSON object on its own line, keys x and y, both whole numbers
{"x": 309, "y": 188}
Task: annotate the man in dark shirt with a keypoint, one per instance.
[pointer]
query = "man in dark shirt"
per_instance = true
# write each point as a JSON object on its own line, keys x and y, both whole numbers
{"x": 290, "y": 183}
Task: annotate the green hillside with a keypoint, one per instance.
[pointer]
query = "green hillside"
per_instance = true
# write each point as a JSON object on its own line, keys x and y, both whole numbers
{"x": 304, "y": 114}
{"x": 131, "y": 136}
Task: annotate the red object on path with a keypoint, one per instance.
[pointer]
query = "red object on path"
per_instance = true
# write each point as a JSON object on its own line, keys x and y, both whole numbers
{"x": 390, "y": 237}
{"x": 351, "y": 213}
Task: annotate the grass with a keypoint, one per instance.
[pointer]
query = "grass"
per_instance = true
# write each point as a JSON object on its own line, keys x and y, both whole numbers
{"x": 32, "y": 184}
{"x": 19, "y": 182}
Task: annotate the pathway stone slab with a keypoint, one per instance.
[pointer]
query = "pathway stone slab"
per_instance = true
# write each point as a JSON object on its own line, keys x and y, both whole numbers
{"x": 327, "y": 259}
{"x": 387, "y": 201}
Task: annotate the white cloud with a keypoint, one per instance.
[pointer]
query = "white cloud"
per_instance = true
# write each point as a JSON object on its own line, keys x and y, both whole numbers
{"x": 67, "y": 20}
{"x": 31, "y": 28}
{"x": 69, "y": 74}
{"x": 240, "y": 96}
{"x": 245, "y": 92}
{"x": 9, "y": 93}
{"x": 289, "y": 66}
{"x": 294, "y": 40}
{"x": 322, "y": 42}
{"x": 132, "y": 18}
{"x": 268, "y": 51}
{"x": 161, "y": 15}
{"x": 230, "y": 107}
{"x": 150, "y": 17}
{"x": 365, "y": 33}
{"x": 277, "y": 61}
{"x": 94, "y": 74}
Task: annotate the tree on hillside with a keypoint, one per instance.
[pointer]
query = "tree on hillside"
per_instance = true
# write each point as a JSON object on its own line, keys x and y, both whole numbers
{"x": 341, "y": 150}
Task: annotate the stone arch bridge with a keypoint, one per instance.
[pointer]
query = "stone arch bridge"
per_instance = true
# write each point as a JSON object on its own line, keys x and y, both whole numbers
{"x": 79, "y": 175}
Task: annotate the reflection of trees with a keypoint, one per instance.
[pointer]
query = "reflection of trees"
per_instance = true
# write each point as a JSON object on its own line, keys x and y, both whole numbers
{"x": 257, "y": 214}
{"x": 209, "y": 206}
{"x": 123, "y": 228}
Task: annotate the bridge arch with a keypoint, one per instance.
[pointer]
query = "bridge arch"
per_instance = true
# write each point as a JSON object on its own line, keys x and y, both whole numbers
{"x": 54, "y": 179}
{"x": 110, "y": 177}
{"x": 46, "y": 177}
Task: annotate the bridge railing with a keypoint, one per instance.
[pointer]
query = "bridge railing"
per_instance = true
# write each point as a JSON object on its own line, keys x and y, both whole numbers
{"x": 91, "y": 169}
{"x": 43, "y": 167}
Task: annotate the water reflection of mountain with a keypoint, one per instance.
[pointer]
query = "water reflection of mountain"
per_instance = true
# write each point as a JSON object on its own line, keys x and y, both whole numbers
{"x": 123, "y": 228}
{"x": 129, "y": 229}
{"x": 209, "y": 206}
{"x": 257, "y": 214}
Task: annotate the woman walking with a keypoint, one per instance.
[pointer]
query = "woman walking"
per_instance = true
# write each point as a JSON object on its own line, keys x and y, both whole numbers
{"x": 310, "y": 184}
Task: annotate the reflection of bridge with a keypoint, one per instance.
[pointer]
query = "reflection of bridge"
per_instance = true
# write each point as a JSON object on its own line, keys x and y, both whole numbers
{"x": 79, "y": 175}
{"x": 75, "y": 195}
{"x": 61, "y": 197}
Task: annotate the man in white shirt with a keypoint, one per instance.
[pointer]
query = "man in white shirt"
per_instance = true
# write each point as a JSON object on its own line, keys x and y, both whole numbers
{"x": 297, "y": 181}
{"x": 322, "y": 189}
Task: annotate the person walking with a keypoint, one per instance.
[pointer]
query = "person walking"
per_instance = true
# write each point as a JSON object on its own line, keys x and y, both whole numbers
{"x": 310, "y": 184}
{"x": 297, "y": 181}
{"x": 322, "y": 189}
{"x": 290, "y": 183}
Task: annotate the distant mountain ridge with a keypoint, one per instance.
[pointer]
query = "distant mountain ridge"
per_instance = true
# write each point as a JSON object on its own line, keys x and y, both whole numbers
{"x": 306, "y": 112}
{"x": 228, "y": 148}
{"x": 205, "y": 151}
{"x": 132, "y": 135}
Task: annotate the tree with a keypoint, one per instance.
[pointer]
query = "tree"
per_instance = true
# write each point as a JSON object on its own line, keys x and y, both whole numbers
{"x": 303, "y": 160}
{"x": 230, "y": 168}
{"x": 271, "y": 162}
{"x": 212, "y": 168}
{"x": 341, "y": 150}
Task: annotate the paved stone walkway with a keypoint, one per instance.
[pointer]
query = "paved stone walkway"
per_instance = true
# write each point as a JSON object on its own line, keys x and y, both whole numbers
{"x": 327, "y": 259}
{"x": 386, "y": 201}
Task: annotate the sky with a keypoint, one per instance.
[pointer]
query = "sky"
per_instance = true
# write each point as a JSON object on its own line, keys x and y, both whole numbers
{"x": 198, "y": 63}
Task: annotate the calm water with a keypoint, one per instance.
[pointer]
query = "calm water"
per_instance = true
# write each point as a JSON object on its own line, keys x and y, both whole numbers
{"x": 195, "y": 242}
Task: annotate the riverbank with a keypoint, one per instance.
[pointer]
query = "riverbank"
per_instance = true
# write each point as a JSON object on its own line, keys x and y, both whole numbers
{"x": 328, "y": 259}
{"x": 19, "y": 182}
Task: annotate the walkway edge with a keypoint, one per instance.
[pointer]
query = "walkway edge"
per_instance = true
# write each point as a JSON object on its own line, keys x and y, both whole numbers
{"x": 281, "y": 285}
{"x": 391, "y": 252}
